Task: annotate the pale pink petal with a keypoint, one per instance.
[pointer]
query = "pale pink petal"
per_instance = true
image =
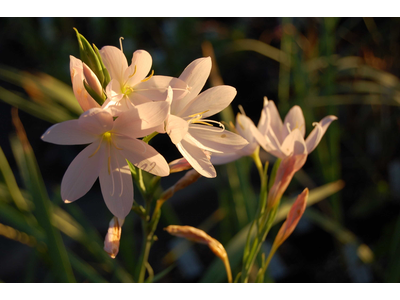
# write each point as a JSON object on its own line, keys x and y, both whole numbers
{"x": 224, "y": 158}
{"x": 268, "y": 143}
{"x": 141, "y": 61}
{"x": 96, "y": 121}
{"x": 276, "y": 121}
{"x": 77, "y": 77}
{"x": 156, "y": 88}
{"x": 318, "y": 132}
{"x": 294, "y": 119}
{"x": 137, "y": 98}
{"x": 115, "y": 62}
{"x": 142, "y": 156}
{"x": 178, "y": 165}
{"x": 195, "y": 75}
{"x": 265, "y": 118}
{"x": 216, "y": 139}
{"x": 83, "y": 172}
{"x": 114, "y": 91}
{"x": 197, "y": 158}
{"x": 117, "y": 107}
{"x": 68, "y": 133}
{"x": 176, "y": 128}
{"x": 141, "y": 120}
{"x": 210, "y": 102}
{"x": 294, "y": 144}
{"x": 243, "y": 125}
{"x": 116, "y": 184}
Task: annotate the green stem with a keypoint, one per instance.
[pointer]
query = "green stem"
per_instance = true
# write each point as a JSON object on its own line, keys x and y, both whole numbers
{"x": 146, "y": 250}
{"x": 147, "y": 139}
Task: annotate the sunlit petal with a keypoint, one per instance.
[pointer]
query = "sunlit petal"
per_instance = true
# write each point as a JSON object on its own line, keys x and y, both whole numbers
{"x": 115, "y": 62}
{"x": 216, "y": 139}
{"x": 141, "y": 120}
{"x": 176, "y": 128}
{"x": 142, "y": 156}
{"x": 197, "y": 158}
{"x": 276, "y": 121}
{"x": 82, "y": 172}
{"x": 96, "y": 121}
{"x": 195, "y": 75}
{"x": 294, "y": 119}
{"x": 318, "y": 132}
{"x": 68, "y": 133}
{"x": 139, "y": 68}
{"x": 116, "y": 184}
{"x": 156, "y": 88}
{"x": 210, "y": 102}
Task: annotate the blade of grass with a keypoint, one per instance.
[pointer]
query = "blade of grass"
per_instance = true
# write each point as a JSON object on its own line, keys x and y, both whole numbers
{"x": 60, "y": 264}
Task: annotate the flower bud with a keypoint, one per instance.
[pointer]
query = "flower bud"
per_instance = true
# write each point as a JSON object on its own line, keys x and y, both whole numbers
{"x": 294, "y": 215}
{"x": 111, "y": 241}
{"x": 92, "y": 80}
{"x": 199, "y": 236}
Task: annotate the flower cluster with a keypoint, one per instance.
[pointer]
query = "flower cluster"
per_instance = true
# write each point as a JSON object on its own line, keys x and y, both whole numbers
{"x": 124, "y": 108}
{"x": 133, "y": 106}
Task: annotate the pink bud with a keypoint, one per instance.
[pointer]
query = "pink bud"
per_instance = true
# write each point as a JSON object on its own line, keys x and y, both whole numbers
{"x": 294, "y": 215}
{"x": 111, "y": 242}
{"x": 92, "y": 80}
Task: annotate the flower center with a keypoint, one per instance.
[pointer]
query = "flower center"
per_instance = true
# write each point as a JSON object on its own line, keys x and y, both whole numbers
{"x": 127, "y": 90}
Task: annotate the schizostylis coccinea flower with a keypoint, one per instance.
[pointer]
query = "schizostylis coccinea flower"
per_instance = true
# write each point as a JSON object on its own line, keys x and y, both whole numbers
{"x": 187, "y": 125}
{"x": 112, "y": 142}
{"x": 279, "y": 138}
{"x": 129, "y": 84}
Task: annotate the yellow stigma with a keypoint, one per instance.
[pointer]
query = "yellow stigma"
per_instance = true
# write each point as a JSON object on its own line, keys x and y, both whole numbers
{"x": 126, "y": 90}
{"x": 107, "y": 136}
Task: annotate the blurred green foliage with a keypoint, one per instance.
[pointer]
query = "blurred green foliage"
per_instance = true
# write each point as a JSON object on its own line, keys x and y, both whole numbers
{"x": 348, "y": 67}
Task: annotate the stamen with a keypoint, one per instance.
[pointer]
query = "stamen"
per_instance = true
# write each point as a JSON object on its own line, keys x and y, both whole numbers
{"x": 120, "y": 178}
{"x": 134, "y": 72}
{"x": 98, "y": 147}
{"x": 112, "y": 141}
{"x": 288, "y": 127}
{"x": 151, "y": 75}
{"x": 109, "y": 165}
{"x": 241, "y": 110}
{"x": 120, "y": 43}
{"x": 198, "y": 114}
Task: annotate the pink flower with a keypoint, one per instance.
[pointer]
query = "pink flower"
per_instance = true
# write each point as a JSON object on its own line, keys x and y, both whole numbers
{"x": 187, "y": 127}
{"x": 128, "y": 85}
{"x": 279, "y": 138}
{"x": 285, "y": 140}
{"x": 112, "y": 142}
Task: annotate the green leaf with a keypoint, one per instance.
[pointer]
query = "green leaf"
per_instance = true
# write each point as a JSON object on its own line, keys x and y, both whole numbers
{"x": 89, "y": 56}
{"x": 33, "y": 181}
